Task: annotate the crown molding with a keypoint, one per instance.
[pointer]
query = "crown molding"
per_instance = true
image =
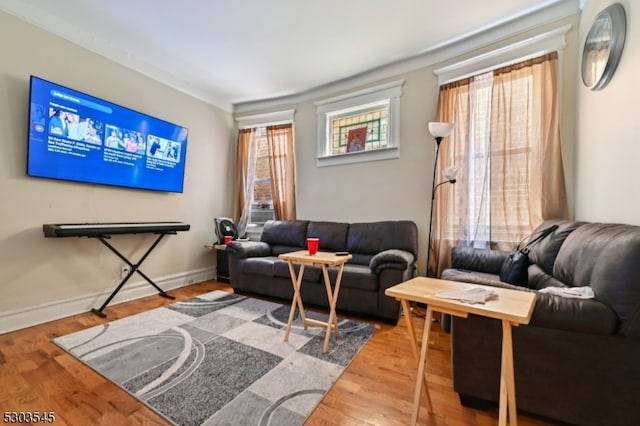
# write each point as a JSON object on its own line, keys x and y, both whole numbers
{"x": 532, "y": 47}
{"x": 551, "y": 12}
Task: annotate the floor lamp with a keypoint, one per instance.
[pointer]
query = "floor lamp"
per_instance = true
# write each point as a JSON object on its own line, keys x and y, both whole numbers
{"x": 439, "y": 131}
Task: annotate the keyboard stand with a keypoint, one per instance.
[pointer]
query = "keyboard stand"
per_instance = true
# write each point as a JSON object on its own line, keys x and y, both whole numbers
{"x": 135, "y": 267}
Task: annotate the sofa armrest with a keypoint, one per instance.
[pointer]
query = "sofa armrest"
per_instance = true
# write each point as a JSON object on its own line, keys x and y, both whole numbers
{"x": 572, "y": 314}
{"x": 391, "y": 259}
{"x": 480, "y": 260}
{"x": 244, "y": 249}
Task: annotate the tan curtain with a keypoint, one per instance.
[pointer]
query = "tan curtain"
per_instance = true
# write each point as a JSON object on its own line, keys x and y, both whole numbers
{"x": 538, "y": 169}
{"x": 506, "y": 145}
{"x": 282, "y": 169}
{"x": 246, "y": 153}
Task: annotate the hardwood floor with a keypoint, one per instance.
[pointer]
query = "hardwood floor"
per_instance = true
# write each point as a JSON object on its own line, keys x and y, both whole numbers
{"x": 376, "y": 389}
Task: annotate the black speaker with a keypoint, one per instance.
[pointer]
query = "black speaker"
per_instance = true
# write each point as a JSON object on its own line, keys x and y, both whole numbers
{"x": 225, "y": 228}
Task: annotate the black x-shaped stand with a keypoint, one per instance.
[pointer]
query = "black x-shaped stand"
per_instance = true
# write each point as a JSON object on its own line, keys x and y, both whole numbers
{"x": 135, "y": 267}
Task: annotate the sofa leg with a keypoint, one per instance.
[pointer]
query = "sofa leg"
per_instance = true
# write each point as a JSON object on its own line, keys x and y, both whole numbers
{"x": 474, "y": 402}
{"x": 445, "y": 319}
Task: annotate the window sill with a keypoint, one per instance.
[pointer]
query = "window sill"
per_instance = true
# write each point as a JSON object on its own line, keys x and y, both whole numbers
{"x": 358, "y": 157}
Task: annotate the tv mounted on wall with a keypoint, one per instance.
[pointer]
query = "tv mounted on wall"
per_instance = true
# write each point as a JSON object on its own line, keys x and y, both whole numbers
{"x": 77, "y": 137}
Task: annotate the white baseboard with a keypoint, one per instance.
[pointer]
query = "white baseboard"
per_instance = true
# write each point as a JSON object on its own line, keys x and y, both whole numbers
{"x": 33, "y": 315}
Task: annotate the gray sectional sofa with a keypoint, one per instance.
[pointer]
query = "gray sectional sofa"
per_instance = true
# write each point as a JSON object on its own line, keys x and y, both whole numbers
{"x": 577, "y": 360}
{"x": 384, "y": 254}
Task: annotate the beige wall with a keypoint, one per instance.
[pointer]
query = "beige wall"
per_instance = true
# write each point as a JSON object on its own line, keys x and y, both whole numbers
{"x": 58, "y": 276}
{"x": 608, "y": 132}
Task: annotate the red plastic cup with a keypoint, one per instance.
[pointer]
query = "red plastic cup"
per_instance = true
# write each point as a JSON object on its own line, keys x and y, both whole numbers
{"x": 312, "y": 245}
{"x": 227, "y": 239}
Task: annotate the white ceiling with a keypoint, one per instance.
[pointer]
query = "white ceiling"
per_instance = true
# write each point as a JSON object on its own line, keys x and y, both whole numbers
{"x": 231, "y": 51}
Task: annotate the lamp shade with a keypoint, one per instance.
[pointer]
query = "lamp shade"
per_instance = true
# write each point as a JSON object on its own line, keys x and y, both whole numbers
{"x": 451, "y": 172}
{"x": 439, "y": 129}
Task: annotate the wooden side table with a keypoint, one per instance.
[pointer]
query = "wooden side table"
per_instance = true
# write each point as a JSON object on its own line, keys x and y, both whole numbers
{"x": 325, "y": 260}
{"x": 512, "y": 307}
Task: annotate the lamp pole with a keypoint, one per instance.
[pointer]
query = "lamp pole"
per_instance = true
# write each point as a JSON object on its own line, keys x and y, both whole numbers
{"x": 433, "y": 197}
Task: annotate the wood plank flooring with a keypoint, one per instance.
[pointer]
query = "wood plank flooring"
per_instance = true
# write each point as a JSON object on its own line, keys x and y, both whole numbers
{"x": 376, "y": 389}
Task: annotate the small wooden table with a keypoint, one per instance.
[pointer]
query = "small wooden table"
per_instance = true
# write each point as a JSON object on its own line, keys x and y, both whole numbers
{"x": 324, "y": 259}
{"x": 512, "y": 307}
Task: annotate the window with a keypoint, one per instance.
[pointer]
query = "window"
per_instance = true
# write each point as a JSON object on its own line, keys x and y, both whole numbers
{"x": 262, "y": 195}
{"x": 344, "y": 126}
{"x": 497, "y": 158}
{"x": 361, "y": 126}
{"x": 506, "y": 144}
{"x": 265, "y": 170}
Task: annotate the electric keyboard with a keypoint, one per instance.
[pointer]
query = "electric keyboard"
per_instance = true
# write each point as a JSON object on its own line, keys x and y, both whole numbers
{"x": 98, "y": 229}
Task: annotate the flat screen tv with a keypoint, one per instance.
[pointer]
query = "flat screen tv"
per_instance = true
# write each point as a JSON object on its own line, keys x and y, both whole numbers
{"x": 77, "y": 137}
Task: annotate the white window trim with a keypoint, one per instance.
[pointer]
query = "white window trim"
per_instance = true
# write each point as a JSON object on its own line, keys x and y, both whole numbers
{"x": 541, "y": 44}
{"x": 266, "y": 119}
{"x": 390, "y": 91}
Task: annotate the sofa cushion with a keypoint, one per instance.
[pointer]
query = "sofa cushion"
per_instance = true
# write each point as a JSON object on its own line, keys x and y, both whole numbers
{"x": 545, "y": 251}
{"x": 332, "y": 235}
{"x": 539, "y": 279}
{"x": 277, "y": 250}
{"x": 361, "y": 259}
{"x": 356, "y": 277}
{"x": 286, "y": 233}
{"x": 374, "y": 237}
{"x": 311, "y": 273}
{"x": 476, "y": 259}
{"x": 258, "y": 265}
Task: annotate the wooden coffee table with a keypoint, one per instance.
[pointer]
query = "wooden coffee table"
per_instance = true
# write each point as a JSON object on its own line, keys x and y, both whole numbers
{"x": 512, "y": 307}
{"x": 325, "y": 260}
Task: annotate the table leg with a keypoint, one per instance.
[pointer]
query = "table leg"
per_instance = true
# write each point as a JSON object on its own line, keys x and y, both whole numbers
{"x": 412, "y": 333}
{"x": 333, "y": 300}
{"x": 412, "y": 336}
{"x": 507, "y": 379}
{"x": 421, "y": 367}
{"x": 297, "y": 299}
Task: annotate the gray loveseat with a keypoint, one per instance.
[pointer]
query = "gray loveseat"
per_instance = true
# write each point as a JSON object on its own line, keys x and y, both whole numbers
{"x": 577, "y": 360}
{"x": 384, "y": 254}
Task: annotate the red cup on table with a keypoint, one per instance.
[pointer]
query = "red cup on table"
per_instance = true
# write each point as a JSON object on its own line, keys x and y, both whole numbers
{"x": 227, "y": 239}
{"x": 312, "y": 245}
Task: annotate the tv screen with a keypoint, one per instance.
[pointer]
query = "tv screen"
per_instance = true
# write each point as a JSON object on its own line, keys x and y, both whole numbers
{"x": 77, "y": 137}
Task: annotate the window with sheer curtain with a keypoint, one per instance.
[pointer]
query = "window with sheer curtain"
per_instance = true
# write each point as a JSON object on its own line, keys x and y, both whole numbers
{"x": 265, "y": 180}
{"x": 506, "y": 144}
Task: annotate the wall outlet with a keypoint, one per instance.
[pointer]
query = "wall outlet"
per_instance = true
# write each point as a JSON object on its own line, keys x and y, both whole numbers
{"x": 125, "y": 271}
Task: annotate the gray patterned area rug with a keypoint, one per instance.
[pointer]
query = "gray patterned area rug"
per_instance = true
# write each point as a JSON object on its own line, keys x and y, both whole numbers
{"x": 220, "y": 359}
